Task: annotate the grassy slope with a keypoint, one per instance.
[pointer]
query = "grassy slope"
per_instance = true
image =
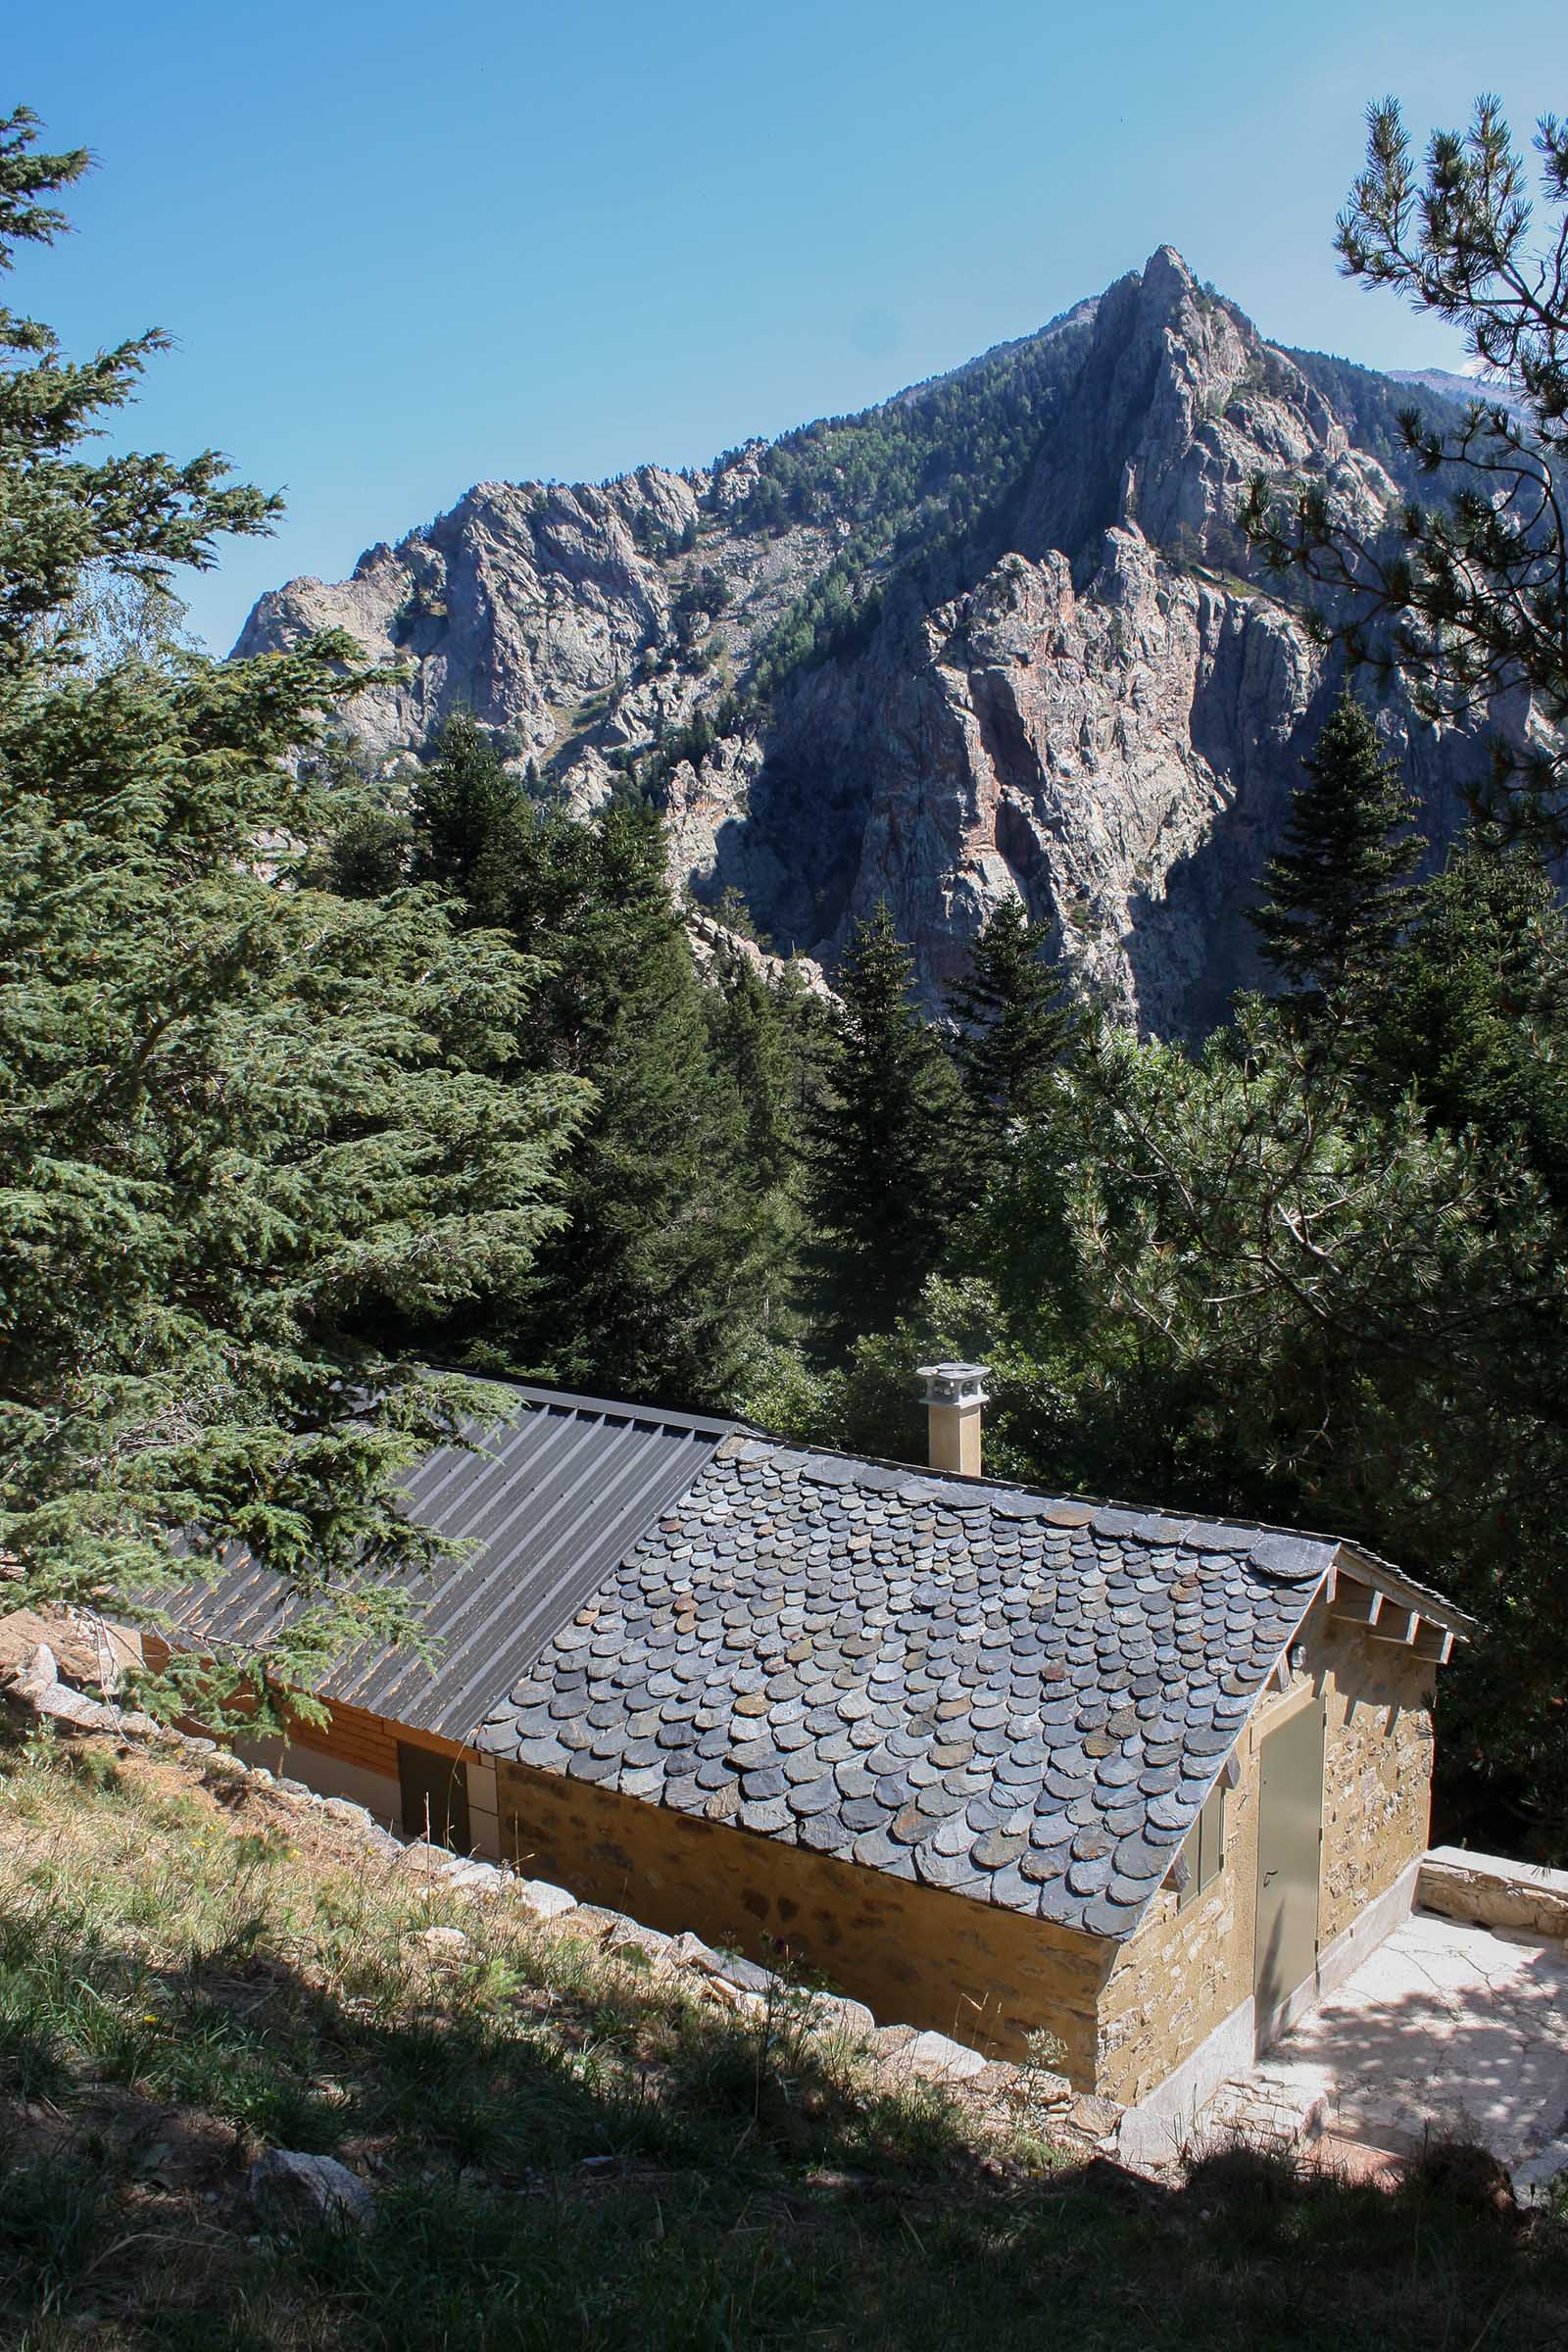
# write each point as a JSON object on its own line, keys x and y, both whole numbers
{"x": 567, "y": 2151}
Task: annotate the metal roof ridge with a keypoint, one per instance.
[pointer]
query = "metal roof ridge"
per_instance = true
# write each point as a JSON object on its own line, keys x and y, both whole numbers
{"x": 617, "y": 1408}
{"x": 637, "y": 1513}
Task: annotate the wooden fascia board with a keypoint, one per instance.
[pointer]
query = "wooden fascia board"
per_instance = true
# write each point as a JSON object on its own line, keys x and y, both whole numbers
{"x": 1359, "y": 1569}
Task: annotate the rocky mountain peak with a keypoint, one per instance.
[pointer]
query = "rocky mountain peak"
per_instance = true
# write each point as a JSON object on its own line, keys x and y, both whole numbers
{"x": 996, "y": 638}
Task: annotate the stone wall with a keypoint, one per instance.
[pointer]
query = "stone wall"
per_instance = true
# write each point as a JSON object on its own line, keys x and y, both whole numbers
{"x": 1494, "y": 1892}
{"x": 1377, "y": 1766}
{"x": 1188, "y": 1970}
{"x": 985, "y": 1975}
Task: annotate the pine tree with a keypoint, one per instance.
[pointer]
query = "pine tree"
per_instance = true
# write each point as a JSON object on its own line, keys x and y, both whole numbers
{"x": 1015, "y": 1025}
{"x": 881, "y": 1149}
{"x": 237, "y": 1111}
{"x": 369, "y": 851}
{"x": 767, "y": 1035}
{"x": 1465, "y": 594}
{"x": 467, "y": 808}
{"x": 1338, "y": 894}
{"x": 653, "y": 1287}
{"x": 746, "y": 1040}
{"x": 1476, "y": 1015}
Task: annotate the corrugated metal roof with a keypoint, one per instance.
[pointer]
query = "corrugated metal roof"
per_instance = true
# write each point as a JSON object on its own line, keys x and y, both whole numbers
{"x": 563, "y": 1488}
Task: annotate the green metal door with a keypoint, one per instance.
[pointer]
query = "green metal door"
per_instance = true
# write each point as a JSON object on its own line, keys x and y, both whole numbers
{"x": 1290, "y": 1841}
{"x": 435, "y": 1796}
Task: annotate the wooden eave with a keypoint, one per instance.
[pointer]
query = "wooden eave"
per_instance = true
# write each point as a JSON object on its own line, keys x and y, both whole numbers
{"x": 1365, "y": 1591}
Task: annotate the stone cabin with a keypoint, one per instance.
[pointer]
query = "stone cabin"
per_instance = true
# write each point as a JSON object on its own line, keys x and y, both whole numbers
{"x": 993, "y": 1761}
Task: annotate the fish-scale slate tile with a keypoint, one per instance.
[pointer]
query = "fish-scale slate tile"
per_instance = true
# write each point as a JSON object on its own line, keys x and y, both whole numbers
{"x": 1021, "y": 1700}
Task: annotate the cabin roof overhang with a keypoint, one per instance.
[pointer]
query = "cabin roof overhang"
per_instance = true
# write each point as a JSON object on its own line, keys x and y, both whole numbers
{"x": 1391, "y": 1607}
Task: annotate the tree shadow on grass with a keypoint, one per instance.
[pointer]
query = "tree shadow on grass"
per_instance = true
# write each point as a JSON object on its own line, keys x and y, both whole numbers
{"x": 576, "y": 2154}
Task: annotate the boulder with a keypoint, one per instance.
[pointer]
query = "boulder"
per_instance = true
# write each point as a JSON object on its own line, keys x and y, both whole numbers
{"x": 546, "y": 1901}
{"x": 646, "y": 1944}
{"x": 343, "y": 1808}
{"x": 291, "y": 2190}
{"x": 470, "y": 1877}
{"x": 836, "y": 2013}
{"x": 941, "y": 2059}
{"x": 440, "y": 1943}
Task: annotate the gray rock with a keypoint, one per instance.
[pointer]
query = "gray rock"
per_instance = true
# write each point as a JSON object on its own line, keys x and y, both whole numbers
{"x": 440, "y": 1943}
{"x": 545, "y": 1901}
{"x": 746, "y": 1976}
{"x": 343, "y": 1808}
{"x": 39, "y": 1670}
{"x": 941, "y": 2059}
{"x": 1101, "y": 716}
{"x": 629, "y": 1940}
{"x": 476, "y": 1877}
{"x": 687, "y": 1950}
{"x": 836, "y": 2013}
{"x": 295, "y": 2191}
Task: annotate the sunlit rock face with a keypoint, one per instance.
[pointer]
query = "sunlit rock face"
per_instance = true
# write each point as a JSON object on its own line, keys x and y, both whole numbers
{"x": 1085, "y": 700}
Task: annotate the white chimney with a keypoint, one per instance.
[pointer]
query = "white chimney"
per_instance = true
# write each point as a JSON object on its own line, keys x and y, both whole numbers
{"x": 955, "y": 1397}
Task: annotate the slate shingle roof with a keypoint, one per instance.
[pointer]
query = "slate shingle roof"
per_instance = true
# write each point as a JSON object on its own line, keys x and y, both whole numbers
{"x": 1023, "y": 1701}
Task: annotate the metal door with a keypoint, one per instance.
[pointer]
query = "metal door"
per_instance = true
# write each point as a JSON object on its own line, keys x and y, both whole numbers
{"x": 1290, "y": 1841}
{"x": 435, "y": 1796}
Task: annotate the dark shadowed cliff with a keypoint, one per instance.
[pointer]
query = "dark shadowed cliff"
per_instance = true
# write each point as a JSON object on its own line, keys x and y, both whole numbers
{"x": 997, "y": 636}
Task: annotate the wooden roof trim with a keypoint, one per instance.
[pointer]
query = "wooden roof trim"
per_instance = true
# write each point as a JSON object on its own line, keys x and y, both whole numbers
{"x": 1365, "y": 1591}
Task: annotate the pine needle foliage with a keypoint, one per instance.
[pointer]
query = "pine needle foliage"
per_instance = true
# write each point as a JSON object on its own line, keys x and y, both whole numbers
{"x": 1337, "y": 896}
{"x": 235, "y": 1108}
{"x": 1465, "y": 595}
{"x": 881, "y": 1148}
{"x": 654, "y": 1283}
{"x": 1476, "y": 1014}
{"x": 468, "y": 808}
{"x": 654, "y": 1286}
{"x": 1014, "y": 1023}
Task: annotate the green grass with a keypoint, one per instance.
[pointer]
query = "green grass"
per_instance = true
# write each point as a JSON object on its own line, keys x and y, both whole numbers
{"x": 569, "y": 2150}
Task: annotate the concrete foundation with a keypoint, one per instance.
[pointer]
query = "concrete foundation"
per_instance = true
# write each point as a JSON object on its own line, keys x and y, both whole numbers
{"x": 328, "y": 1776}
{"x": 1157, "y": 2129}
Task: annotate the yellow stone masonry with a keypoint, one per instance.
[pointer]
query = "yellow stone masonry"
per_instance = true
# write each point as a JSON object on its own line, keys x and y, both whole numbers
{"x": 1185, "y": 1970}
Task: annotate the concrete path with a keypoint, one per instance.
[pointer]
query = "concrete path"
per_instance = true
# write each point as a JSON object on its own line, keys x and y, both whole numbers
{"x": 1445, "y": 2030}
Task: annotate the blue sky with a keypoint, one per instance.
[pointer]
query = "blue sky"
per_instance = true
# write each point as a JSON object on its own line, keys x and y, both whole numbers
{"x": 404, "y": 249}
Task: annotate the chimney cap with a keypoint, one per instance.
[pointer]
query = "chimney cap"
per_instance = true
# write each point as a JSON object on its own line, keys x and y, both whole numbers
{"x": 955, "y": 1384}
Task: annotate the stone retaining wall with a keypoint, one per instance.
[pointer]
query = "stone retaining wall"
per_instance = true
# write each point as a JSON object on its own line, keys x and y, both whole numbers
{"x": 1493, "y": 1892}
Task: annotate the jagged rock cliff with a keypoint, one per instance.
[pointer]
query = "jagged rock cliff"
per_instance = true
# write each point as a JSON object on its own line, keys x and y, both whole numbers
{"x": 996, "y": 638}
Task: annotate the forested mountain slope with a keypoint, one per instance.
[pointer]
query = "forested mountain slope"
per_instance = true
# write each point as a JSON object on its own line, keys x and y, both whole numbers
{"x": 996, "y": 637}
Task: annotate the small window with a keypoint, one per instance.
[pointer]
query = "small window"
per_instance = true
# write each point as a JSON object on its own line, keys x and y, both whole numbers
{"x": 1204, "y": 1849}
